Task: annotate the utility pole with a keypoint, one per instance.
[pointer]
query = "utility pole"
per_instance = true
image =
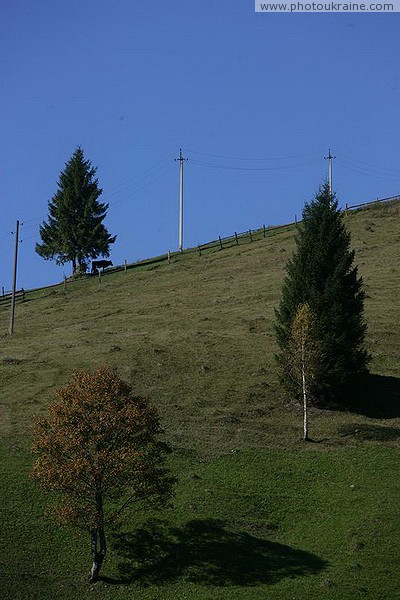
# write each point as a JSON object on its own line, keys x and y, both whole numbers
{"x": 14, "y": 286}
{"x": 330, "y": 158}
{"x": 181, "y": 161}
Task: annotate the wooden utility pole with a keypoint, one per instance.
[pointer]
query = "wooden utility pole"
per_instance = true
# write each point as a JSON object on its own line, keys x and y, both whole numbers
{"x": 14, "y": 286}
{"x": 181, "y": 161}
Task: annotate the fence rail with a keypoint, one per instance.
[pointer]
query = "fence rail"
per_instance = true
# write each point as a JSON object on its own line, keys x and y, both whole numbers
{"x": 389, "y": 199}
{"x": 6, "y": 297}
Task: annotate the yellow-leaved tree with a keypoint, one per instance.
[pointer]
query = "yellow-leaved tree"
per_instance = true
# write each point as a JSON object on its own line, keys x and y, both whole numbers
{"x": 304, "y": 358}
{"x": 101, "y": 449}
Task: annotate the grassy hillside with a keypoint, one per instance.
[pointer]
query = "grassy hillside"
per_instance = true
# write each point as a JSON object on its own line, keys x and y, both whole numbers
{"x": 257, "y": 513}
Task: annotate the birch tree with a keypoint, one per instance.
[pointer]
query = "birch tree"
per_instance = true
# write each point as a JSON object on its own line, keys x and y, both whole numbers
{"x": 100, "y": 451}
{"x": 304, "y": 358}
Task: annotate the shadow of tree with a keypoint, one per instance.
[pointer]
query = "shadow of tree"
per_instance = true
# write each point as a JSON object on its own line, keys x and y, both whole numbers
{"x": 377, "y": 396}
{"x": 364, "y": 431}
{"x": 204, "y": 551}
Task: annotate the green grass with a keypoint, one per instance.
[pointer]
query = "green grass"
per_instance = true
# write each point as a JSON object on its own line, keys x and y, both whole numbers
{"x": 257, "y": 513}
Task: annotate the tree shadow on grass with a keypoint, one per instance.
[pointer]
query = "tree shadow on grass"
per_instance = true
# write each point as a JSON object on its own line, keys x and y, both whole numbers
{"x": 377, "y": 396}
{"x": 365, "y": 431}
{"x": 205, "y": 552}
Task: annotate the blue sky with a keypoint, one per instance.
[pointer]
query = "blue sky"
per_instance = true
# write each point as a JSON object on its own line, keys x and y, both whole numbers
{"x": 254, "y": 100}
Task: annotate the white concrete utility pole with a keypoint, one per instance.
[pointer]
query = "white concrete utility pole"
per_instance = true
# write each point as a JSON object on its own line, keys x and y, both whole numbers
{"x": 181, "y": 161}
{"x": 330, "y": 158}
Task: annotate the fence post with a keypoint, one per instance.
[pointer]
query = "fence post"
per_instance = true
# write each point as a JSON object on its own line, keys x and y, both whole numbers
{"x": 169, "y": 257}
{"x": 263, "y": 230}
{"x": 220, "y": 242}
{"x": 251, "y": 238}
{"x": 199, "y": 249}
{"x": 99, "y": 275}
{"x": 2, "y": 290}
{"x": 295, "y": 219}
{"x": 125, "y": 267}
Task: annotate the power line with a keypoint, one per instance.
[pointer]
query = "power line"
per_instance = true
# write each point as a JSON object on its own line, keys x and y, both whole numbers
{"x": 4, "y": 236}
{"x": 137, "y": 178}
{"x": 33, "y": 237}
{"x": 258, "y": 159}
{"x": 143, "y": 183}
{"x": 369, "y": 165}
{"x": 231, "y": 168}
{"x": 5, "y": 252}
{"x": 367, "y": 173}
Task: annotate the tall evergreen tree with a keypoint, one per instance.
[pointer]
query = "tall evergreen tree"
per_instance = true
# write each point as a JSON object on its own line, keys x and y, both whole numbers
{"x": 75, "y": 231}
{"x": 322, "y": 274}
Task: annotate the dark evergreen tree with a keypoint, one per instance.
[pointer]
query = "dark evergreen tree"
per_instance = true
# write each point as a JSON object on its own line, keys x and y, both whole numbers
{"x": 75, "y": 231}
{"x": 322, "y": 273}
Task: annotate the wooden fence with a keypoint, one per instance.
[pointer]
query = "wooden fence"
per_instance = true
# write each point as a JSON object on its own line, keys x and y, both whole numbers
{"x": 5, "y": 298}
{"x": 246, "y": 237}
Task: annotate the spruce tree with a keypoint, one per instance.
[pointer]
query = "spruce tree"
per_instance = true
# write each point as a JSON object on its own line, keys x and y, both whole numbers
{"x": 322, "y": 274}
{"x": 75, "y": 231}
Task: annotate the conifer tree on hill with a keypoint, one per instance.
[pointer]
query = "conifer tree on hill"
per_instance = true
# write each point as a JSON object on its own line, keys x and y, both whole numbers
{"x": 322, "y": 274}
{"x": 74, "y": 231}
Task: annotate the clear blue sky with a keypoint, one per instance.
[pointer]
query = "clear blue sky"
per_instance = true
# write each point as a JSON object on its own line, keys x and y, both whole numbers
{"x": 133, "y": 81}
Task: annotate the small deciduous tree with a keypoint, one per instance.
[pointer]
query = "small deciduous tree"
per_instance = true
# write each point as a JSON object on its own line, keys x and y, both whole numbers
{"x": 100, "y": 449}
{"x": 75, "y": 231}
{"x": 304, "y": 358}
{"x": 322, "y": 273}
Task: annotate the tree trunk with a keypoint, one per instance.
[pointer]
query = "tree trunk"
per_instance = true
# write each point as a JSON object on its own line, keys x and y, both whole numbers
{"x": 99, "y": 547}
{"x": 303, "y": 377}
{"x": 99, "y": 551}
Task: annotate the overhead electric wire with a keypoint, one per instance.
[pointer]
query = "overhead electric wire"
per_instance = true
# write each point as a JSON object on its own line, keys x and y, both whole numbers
{"x": 129, "y": 190}
{"x": 30, "y": 238}
{"x": 129, "y": 181}
{"x": 231, "y": 168}
{"x": 136, "y": 191}
{"x": 4, "y": 236}
{"x": 366, "y": 173}
{"x": 131, "y": 187}
{"x": 253, "y": 159}
{"x": 6, "y": 252}
{"x": 375, "y": 167}
{"x": 31, "y": 221}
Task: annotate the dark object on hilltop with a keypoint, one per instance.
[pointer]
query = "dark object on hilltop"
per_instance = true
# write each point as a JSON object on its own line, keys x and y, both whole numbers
{"x": 75, "y": 231}
{"x": 100, "y": 264}
{"x": 322, "y": 274}
{"x": 99, "y": 450}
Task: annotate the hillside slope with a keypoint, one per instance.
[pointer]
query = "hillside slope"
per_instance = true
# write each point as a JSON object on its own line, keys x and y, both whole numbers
{"x": 257, "y": 512}
{"x": 196, "y": 335}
